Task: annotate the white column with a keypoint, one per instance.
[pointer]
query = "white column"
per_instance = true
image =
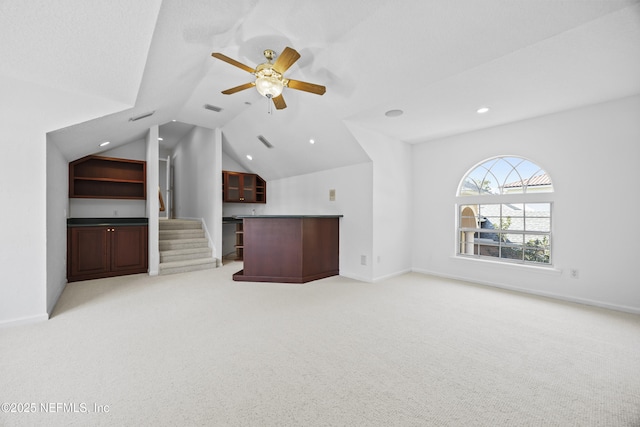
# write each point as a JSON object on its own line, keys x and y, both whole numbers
{"x": 468, "y": 242}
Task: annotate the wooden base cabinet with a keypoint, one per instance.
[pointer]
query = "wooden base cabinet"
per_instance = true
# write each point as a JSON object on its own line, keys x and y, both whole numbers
{"x": 290, "y": 248}
{"x": 106, "y": 251}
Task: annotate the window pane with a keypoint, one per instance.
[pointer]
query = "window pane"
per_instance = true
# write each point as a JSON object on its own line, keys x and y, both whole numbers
{"x": 539, "y": 256}
{"x": 488, "y": 250}
{"x": 477, "y": 182}
{"x": 538, "y": 224}
{"x": 539, "y": 210}
{"x": 513, "y": 183}
{"x": 513, "y": 239}
{"x": 513, "y": 216}
{"x": 511, "y": 252}
{"x": 538, "y": 217}
{"x": 537, "y": 248}
{"x": 469, "y": 187}
{"x": 506, "y": 175}
{"x": 526, "y": 169}
{"x": 467, "y": 216}
{"x": 513, "y": 209}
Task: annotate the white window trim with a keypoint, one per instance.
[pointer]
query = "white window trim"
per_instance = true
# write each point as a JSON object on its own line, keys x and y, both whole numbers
{"x": 489, "y": 262}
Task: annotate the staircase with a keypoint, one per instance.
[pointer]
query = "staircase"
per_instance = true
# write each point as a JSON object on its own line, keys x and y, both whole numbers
{"x": 183, "y": 247}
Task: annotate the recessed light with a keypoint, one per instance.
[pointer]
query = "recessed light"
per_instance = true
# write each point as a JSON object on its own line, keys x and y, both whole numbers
{"x": 173, "y": 120}
{"x": 482, "y": 110}
{"x": 312, "y": 141}
{"x": 105, "y": 143}
{"x": 160, "y": 139}
{"x": 394, "y": 113}
{"x": 249, "y": 157}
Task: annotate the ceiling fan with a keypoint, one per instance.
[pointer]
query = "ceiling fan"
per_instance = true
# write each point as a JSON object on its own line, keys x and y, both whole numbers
{"x": 269, "y": 76}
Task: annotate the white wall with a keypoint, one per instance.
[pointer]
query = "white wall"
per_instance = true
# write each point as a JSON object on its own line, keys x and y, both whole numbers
{"x": 195, "y": 177}
{"x": 392, "y": 201}
{"x": 28, "y": 112}
{"x": 309, "y": 195}
{"x": 153, "y": 201}
{"x": 592, "y": 155}
{"x": 57, "y": 208}
{"x": 23, "y": 221}
{"x": 216, "y": 227}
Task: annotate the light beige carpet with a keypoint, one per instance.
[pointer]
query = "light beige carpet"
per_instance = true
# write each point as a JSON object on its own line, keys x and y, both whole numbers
{"x": 200, "y": 349}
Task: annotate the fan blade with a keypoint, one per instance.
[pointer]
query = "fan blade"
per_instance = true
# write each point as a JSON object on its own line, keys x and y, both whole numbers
{"x": 238, "y": 88}
{"x": 278, "y": 101}
{"x": 233, "y": 62}
{"x": 286, "y": 59}
{"x": 307, "y": 87}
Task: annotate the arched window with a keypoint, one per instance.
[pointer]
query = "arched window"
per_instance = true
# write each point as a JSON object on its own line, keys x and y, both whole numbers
{"x": 504, "y": 212}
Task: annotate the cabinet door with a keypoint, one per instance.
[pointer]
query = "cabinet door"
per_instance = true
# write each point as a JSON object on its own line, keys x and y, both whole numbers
{"x": 88, "y": 252}
{"x": 248, "y": 188}
{"x": 129, "y": 249}
{"x": 240, "y": 187}
{"x": 232, "y": 187}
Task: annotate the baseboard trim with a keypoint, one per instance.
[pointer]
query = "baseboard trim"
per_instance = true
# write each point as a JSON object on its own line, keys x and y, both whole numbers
{"x": 391, "y": 275}
{"x": 376, "y": 279}
{"x": 355, "y": 277}
{"x": 24, "y": 320}
{"x": 577, "y": 300}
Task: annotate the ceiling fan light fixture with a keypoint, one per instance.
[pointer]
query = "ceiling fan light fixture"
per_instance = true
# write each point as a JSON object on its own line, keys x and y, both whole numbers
{"x": 269, "y": 79}
{"x": 269, "y": 85}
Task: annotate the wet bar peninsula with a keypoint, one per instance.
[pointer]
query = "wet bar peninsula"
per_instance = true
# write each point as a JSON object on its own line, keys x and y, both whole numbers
{"x": 289, "y": 248}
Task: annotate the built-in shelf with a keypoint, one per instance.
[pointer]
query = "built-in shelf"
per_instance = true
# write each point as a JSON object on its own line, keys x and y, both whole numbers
{"x": 108, "y": 178}
{"x": 239, "y": 241}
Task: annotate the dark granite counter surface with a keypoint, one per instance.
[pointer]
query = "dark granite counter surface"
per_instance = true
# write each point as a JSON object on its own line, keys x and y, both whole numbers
{"x": 288, "y": 216}
{"x": 105, "y": 222}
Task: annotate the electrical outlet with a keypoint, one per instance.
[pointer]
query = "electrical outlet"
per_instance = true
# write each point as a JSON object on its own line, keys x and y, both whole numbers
{"x": 574, "y": 273}
{"x": 363, "y": 259}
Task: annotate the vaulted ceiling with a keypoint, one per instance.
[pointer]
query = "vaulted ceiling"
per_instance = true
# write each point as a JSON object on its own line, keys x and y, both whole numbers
{"x": 436, "y": 60}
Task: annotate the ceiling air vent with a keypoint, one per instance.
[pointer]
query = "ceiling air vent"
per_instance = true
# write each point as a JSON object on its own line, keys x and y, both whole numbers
{"x": 142, "y": 116}
{"x": 265, "y": 142}
{"x": 212, "y": 108}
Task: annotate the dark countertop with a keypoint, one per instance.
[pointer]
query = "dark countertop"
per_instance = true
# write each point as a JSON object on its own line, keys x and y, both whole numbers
{"x": 105, "y": 222}
{"x": 231, "y": 220}
{"x": 287, "y": 216}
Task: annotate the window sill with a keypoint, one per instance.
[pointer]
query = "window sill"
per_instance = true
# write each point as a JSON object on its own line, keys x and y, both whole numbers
{"x": 507, "y": 265}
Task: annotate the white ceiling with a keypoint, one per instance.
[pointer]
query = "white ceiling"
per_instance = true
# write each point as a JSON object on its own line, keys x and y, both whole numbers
{"x": 437, "y": 60}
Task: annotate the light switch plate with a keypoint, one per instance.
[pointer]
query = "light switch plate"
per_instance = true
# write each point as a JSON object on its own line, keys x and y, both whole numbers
{"x": 332, "y": 195}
